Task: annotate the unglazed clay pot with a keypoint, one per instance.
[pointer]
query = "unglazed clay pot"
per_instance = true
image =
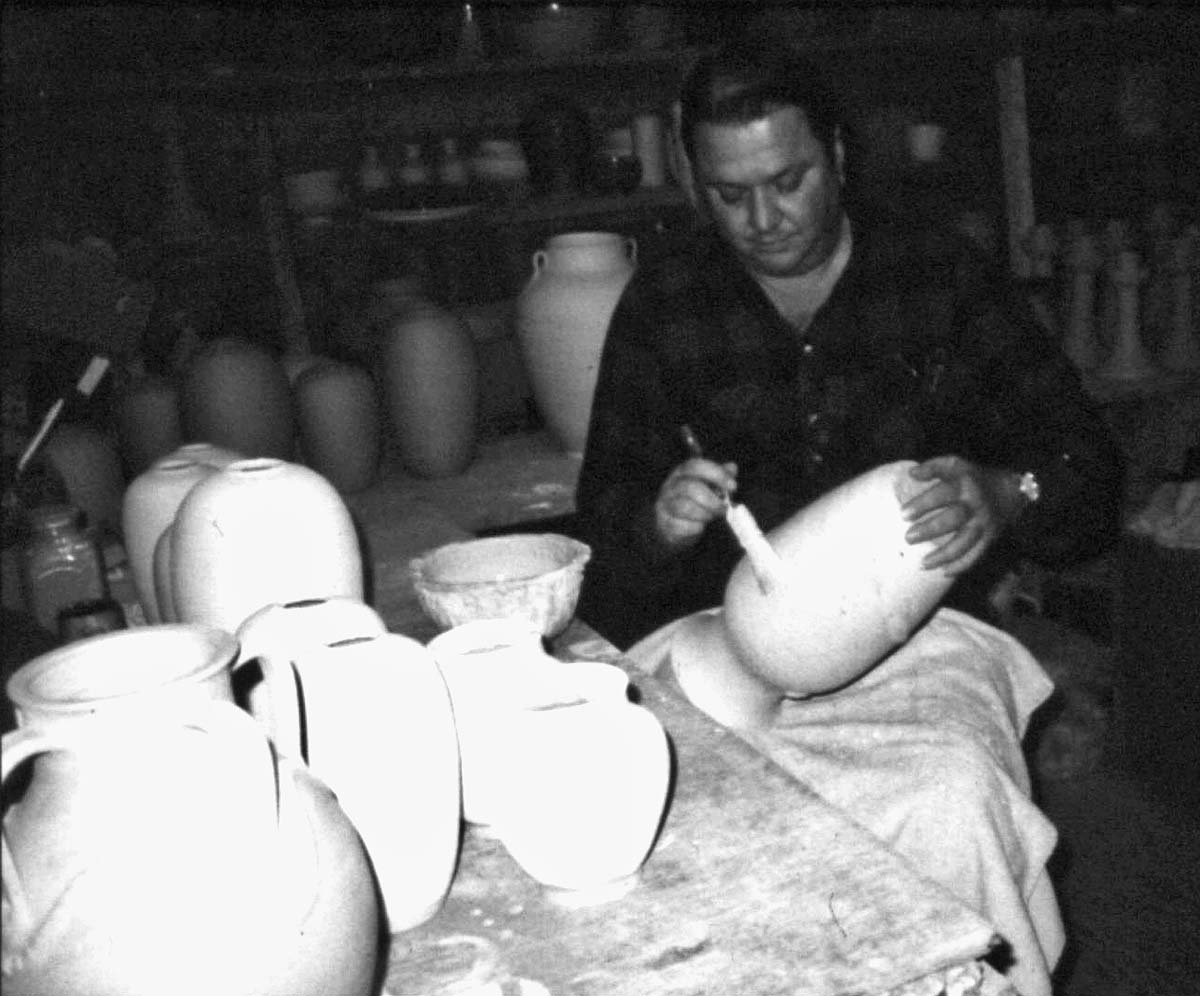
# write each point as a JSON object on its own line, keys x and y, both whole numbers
{"x": 259, "y": 532}
{"x": 562, "y": 321}
{"x": 160, "y": 847}
{"x": 586, "y": 786}
{"x": 148, "y": 508}
{"x": 849, "y": 590}
{"x": 149, "y": 425}
{"x": 378, "y": 728}
{"x": 235, "y": 394}
{"x": 337, "y": 410}
{"x": 430, "y": 380}
{"x": 88, "y": 464}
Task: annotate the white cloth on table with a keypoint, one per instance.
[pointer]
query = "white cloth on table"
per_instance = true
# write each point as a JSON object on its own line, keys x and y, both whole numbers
{"x": 924, "y": 751}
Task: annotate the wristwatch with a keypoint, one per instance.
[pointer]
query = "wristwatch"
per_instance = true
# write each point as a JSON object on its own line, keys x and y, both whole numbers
{"x": 1028, "y": 486}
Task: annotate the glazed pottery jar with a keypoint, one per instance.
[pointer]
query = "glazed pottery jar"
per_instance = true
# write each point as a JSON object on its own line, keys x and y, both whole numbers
{"x": 337, "y": 411}
{"x": 562, "y": 321}
{"x": 235, "y": 393}
{"x": 586, "y": 786}
{"x": 149, "y": 426}
{"x": 850, "y": 590}
{"x": 257, "y": 532}
{"x": 160, "y": 846}
{"x": 148, "y": 508}
{"x": 377, "y": 727}
{"x": 87, "y": 462}
{"x": 430, "y": 380}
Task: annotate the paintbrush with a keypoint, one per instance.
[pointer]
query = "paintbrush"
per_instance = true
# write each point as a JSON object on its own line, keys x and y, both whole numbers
{"x": 87, "y": 384}
{"x": 764, "y": 561}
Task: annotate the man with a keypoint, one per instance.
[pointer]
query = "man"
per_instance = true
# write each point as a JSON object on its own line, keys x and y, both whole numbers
{"x": 803, "y": 347}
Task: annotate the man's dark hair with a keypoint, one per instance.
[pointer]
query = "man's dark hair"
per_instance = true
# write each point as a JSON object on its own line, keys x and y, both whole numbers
{"x": 747, "y": 80}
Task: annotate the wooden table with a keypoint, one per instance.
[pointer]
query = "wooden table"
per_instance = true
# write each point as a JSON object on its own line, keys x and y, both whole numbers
{"x": 755, "y": 885}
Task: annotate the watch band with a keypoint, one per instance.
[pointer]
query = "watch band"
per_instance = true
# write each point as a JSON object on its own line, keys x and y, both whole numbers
{"x": 1029, "y": 487}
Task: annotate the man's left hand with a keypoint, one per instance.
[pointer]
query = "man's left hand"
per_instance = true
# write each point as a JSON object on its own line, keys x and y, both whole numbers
{"x": 962, "y": 511}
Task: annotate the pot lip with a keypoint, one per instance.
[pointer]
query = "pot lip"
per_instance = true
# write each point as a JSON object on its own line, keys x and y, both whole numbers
{"x": 31, "y": 686}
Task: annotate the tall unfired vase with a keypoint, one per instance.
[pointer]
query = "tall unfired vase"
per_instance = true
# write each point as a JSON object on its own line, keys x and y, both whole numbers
{"x": 562, "y": 321}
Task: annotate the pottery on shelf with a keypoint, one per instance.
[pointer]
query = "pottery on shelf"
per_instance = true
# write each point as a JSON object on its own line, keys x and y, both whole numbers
{"x": 430, "y": 377}
{"x": 258, "y": 532}
{"x": 377, "y": 727}
{"x": 338, "y": 414}
{"x": 148, "y": 508}
{"x": 235, "y": 394}
{"x": 160, "y": 846}
{"x": 562, "y": 321}
{"x": 850, "y": 590}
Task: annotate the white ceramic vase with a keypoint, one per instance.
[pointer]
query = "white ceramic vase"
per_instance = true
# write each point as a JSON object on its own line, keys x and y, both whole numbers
{"x": 562, "y": 321}
{"x": 586, "y": 786}
{"x": 160, "y": 846}
{"x": 147, "y": 509}
{"x": 850, "y": 590}
{"x": 377, "y": 727}
{"x": 258, "y": 532}
{"x": 496, "y": 670}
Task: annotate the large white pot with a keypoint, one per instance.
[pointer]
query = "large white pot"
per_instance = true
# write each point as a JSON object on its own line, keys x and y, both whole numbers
{"x": 849, "y": 590}
{"x": 562, "y": 320}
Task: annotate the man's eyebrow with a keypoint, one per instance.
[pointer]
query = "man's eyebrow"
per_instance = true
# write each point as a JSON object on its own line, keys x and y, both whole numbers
{"x": 794, "y": 167}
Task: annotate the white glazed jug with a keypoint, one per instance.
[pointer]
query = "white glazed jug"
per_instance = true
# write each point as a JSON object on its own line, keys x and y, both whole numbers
{"x": 377, "y": 727}
{"x": 850, "y": 590}
{"x": 562, "y": 321}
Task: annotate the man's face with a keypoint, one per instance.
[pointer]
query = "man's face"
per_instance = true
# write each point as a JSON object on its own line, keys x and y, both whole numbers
{"x": 772, "y": 189}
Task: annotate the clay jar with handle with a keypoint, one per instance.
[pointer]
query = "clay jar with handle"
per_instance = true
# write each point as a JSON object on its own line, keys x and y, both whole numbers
{"x": 377, "y": 727}
{"x": 430, "y": 379}
{"x": 159, "y": 846}
{"x": 337, "y": 411}
{"x": 257, "y": 532}
{"x": 235, "y": 393}
{"x": 850, "y": 590}
{"x": 562, "y": 321}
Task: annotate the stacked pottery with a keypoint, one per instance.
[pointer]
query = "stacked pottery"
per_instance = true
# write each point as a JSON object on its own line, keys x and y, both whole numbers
{"x": 256, "y": 532}
{"x": 377, "y": 727}
{"x": 430, "y": 379}
{"x": 562, "y": 320}
{"x": 160, "y": 846}
{"x": 235, "y": 393}
{"x": 337, "y": 413}
{"x": 850, "y": 589}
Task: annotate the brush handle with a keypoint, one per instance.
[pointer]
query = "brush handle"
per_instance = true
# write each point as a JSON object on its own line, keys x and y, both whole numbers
{"x": 35, "y": 444}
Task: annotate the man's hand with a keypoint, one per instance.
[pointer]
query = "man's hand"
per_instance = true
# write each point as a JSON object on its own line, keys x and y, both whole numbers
{"x": 690, "y": 498}
{"x": 963, "y": 511}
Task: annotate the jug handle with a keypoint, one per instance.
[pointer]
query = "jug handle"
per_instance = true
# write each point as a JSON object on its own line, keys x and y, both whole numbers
{"x": 631, "y": 247}
{"x": 259, "y": 780}
{"x": 280, "y": 679}
{"x": 539, "y": 261}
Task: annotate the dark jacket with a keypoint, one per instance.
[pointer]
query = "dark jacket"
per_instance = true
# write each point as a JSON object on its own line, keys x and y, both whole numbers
{"x": 922, "y": 349}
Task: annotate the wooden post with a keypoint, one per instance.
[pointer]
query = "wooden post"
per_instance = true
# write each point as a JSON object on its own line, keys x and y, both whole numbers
{"x": 1014, "y": 150}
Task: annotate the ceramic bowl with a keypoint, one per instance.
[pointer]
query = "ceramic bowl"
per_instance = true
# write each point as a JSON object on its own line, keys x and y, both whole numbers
{"x": 533, "y": 576}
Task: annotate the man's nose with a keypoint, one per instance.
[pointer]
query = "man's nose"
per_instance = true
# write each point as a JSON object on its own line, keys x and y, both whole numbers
{"x": 764, "y": 215}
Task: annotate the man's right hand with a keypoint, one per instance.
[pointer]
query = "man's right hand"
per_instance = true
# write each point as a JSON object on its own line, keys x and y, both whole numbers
{"x": 690, "y": 498}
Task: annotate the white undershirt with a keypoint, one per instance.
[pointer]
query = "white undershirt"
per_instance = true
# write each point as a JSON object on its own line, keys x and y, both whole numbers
{"x": 798, "y": 298}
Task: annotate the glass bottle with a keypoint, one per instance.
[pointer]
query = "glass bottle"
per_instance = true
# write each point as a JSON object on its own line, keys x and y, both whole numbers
{"x": 61, "y": 564}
